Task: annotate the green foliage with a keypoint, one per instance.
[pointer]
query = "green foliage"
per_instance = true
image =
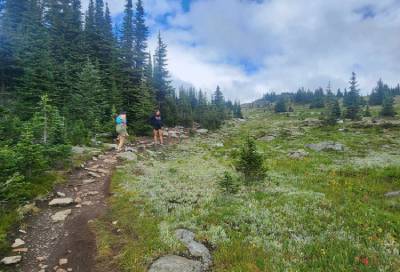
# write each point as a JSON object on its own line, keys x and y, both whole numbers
{"x": 281, "y": 105}
{"x": 352, "y": 100}
{"x": 229, "y": 184}
{"x": 250, "y": 162}
{"x": 367, "y": 112}
{"x": 332, "y": 112}
{"x": 78, "y": 133}
{"x": 388, "y": 107}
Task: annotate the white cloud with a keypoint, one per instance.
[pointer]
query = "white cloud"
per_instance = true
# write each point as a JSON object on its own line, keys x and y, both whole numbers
{"x": 293, "y": 43}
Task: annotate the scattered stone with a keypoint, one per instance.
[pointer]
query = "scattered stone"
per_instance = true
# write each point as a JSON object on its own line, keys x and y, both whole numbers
{"x": 11, "y": 260}
{"x": 115, "y": 222}
{"x": 87, "y": 203}
{"x": 41, "y": 259}
{"x": 78, "y": 200}
{"x": 63, "y": 261}
{"x": 92, "y": 193}
{"x": 268, "y": 138}
{"x": 393, "y": 194}
{"x": 95, "y": 159}
{"x": 17, "y": 243}
{"x": 174, "y": 263}
{"x": 202, "y": 131}
{"x": 95, "y": 175}
{"x": 60, "y": 194}
{"x": 195, "y": 248}
{"x": 88, "y": 181}
{"x": 61, "y": 270}
{"x": 69, "y": 269}
{"x": 61, "y": 215}
{"x": 312, "y": 122}
{"x": 61, "y": 201}
{"x": 298, "y": 154}
{"x": 20, "y": 250}
{"x": 130, "y": 149}
{"x": 128, "y": 156}
{"x": 22, "y": 231}
{"x": 326, "y": 146}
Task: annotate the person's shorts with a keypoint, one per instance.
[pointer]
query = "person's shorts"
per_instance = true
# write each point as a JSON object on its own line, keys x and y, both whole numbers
{"x": 121, "y": 130}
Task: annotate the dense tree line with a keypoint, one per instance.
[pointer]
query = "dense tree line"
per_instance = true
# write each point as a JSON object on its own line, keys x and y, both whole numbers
{"x": 340, "y": 104}
{"x": 63, "y": 75}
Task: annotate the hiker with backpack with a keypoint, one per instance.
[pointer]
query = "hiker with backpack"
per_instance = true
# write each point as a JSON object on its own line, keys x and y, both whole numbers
{"x": 121, "y": 128}
{"x": 157, "y": 124}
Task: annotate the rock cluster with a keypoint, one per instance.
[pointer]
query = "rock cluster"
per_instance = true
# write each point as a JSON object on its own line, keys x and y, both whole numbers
{"x": 326, "y": 146}
{"x": 172, "y": 263}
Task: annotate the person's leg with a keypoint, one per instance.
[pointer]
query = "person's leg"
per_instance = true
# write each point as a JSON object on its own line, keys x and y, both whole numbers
{"x": 161, "y": 135}
{"x": 155, "y": 136}
{"x": 121, "y": 142}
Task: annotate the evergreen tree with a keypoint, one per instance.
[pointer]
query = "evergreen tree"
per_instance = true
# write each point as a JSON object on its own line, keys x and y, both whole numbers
{"x": 318, "y": 99}
{"x": 367, "y": 112}
{"x": 251, "y": 163}
{"x": 141, "y": 33}
{"x": 332, "y": 112}
{"x": 281, "y": 105}
{"x": 378, "y": 93}
{"x": 387, "y": 107}
{"x": 352, "y": 100}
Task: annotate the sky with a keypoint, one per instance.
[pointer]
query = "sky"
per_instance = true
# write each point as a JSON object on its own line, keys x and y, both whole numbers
{"x": 250, "y": 47}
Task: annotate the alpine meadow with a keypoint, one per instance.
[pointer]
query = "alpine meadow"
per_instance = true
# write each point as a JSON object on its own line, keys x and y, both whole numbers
{"x": 199, "y": 135}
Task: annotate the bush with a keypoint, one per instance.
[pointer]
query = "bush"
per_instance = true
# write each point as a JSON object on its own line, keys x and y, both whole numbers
{"x": 251, "y": 163}
{"x": 229, "y": 184}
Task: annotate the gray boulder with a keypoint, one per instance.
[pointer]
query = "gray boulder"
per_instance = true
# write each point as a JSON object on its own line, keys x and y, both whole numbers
{"x": 196, "y": 249}
{"x": 128, "y": 156}
{"x": 61, "y": 201}
{"x": 326, "y": 146}
{"x": 173, "y": 263}
{"x": 298, "y": 154}
{"x": 11, "y": 260}
{"x": 202, "y": 131}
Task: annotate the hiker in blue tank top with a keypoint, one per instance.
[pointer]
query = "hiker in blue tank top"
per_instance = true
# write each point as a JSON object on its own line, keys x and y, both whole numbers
{"x": 121, "y": 128}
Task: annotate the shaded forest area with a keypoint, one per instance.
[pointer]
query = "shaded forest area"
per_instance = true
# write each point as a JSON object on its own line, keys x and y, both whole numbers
{"x": 63, "y": 75}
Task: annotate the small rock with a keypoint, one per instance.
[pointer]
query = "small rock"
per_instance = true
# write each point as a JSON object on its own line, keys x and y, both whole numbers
{"x": 393, "y": 194}
{"x": 41, "y": 259}
{"x": 202, "y": 131}
{"x": 174, "y": 263}
{"x": 17, "y": 243}
{"x": 61, "y": 201}
{"x": 78, "y": 200}
{"x": 128, "y": 156}
{"x": 88, "y": 181}
{"x": 22, "y": 231}
{"x": 69, "y": 269}
{"x": 61, "y": 216}
{"x": 95, "y": 175}
{"x": 11, "y": 260}
{"x": 115, "y": 222}
{"x": 20, "y": 250}
{"x": 87, "y": 203}
{"x": 298, "y": 154}
{"x": 63, "y": 261}
{"x": 61, "y": 270}
{"x": 60, "y": 194}
{"x": 326, "y": 146}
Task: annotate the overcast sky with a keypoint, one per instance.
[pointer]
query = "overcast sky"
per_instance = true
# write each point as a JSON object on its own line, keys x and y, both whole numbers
{"x": 250, "y": 47}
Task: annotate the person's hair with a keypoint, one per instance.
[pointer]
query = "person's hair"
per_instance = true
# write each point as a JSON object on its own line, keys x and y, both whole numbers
{"x": 123, "y": 112}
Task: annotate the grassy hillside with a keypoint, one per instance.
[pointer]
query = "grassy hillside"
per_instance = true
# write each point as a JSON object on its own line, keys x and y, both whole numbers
{"x": 326, "y": 211}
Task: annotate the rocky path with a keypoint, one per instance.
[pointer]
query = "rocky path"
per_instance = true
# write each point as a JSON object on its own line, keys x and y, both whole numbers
{"x": 58, "y": 237}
